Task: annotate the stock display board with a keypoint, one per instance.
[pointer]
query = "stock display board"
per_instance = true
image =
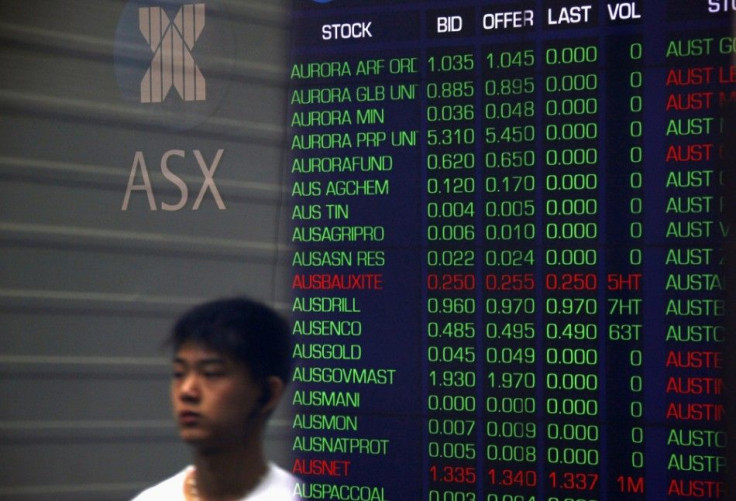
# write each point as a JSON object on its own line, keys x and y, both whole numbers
{"x": 508, "y": 232}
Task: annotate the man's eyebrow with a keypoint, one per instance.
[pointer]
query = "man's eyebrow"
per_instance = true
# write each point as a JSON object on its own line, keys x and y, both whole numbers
{"x": 211, "y": 361}
{"x": 201, "y": 361}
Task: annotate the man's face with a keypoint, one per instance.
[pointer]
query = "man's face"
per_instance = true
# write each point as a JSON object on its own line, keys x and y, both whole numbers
{"x": 215, "y": 400}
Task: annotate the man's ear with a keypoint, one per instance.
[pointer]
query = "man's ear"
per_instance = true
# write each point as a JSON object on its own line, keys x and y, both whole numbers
{"x": 273, "y": 389}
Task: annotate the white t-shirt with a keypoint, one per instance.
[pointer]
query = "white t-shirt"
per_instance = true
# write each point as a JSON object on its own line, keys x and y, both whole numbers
{"x": 276, "y": 485}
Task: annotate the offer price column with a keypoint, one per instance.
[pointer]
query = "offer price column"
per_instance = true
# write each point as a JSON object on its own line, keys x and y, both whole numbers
{"x": 510, "y": 330}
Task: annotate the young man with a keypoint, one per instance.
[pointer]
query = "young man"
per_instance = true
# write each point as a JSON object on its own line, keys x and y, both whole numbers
{"x": 230, "y": 367}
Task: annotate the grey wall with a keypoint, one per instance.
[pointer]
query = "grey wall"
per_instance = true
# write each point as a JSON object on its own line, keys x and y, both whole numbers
{"x": 88, "y": 290}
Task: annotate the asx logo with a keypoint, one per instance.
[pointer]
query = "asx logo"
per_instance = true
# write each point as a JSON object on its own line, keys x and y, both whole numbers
{"x": 172, "y": 42}
{"x": 174, "y": 60}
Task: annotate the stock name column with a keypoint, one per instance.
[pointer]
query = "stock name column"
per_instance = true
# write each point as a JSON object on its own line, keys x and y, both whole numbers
{"x": 571, "y": 167}
{"x": 450, "y": 171}
{"x": 353, "y": 120}
{"x": 698, "y": 80}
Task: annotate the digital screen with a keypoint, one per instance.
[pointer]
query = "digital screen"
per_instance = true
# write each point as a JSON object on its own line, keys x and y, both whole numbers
{"x": 508, "y": 249}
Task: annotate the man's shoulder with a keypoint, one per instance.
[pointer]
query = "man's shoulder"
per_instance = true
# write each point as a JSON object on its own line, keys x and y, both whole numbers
{"x": 171, "y": 489}
{"x": 277, "y": 484}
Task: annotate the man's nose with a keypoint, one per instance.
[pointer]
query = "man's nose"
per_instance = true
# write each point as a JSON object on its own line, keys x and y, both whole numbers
{"x": 189, "y": 388}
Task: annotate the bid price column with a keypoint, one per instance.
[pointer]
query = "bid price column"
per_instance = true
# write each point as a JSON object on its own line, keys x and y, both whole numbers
{"x": 509, "y": 285}
{"x": 571, "y": 284}
{"x": 450, "y": 329}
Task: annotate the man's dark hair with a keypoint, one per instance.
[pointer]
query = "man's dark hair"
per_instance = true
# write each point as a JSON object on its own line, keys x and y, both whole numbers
{"x": 245, "y": 330}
